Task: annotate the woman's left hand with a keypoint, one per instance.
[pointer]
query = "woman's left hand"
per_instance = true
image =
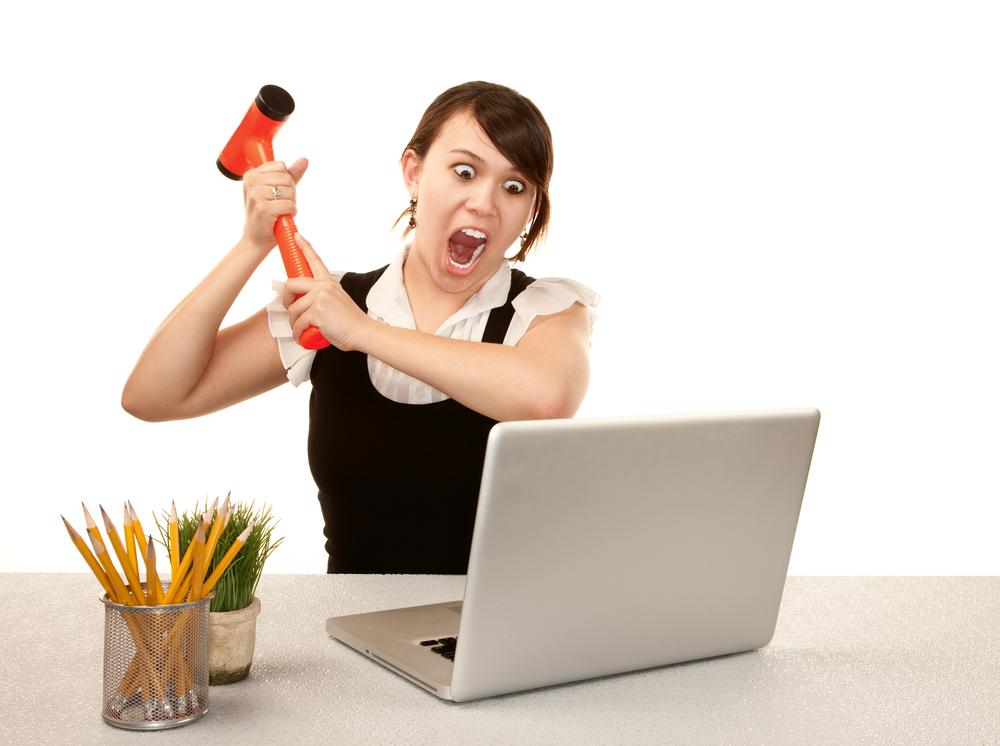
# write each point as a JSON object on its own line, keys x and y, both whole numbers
{"x": 324, "y": 304}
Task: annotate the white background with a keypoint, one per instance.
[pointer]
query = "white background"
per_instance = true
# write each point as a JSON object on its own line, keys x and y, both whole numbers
{"x": 781, "y": 205}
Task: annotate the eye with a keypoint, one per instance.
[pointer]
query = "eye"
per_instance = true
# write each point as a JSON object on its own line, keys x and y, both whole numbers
{"x": 465, "y": 172}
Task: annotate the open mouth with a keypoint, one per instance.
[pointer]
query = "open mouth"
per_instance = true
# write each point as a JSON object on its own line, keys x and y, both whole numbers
{"x": 465, "y": 247}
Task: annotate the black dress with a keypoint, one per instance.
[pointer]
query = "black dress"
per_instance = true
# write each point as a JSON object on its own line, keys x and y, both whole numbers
{"x": 398, "y": 483}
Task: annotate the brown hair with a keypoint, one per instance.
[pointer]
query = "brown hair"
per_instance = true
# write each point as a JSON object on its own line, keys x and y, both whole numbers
{"x": 516, "y": 128}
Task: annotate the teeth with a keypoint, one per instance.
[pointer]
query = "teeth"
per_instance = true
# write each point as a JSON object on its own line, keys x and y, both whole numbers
{"x": 473, "y": 232}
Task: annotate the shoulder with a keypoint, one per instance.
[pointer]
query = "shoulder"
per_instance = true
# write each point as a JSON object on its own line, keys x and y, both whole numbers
{"x": 357, "y": 284}
{"x": 551, "y": 292}
{"x": 363, "y": 276}
{"x": 551, "y": 297}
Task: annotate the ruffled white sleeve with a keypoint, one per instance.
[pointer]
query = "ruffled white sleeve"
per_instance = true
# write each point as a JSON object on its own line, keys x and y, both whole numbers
{"x": 296, "y": 358}
{"x": 548, "y": 295}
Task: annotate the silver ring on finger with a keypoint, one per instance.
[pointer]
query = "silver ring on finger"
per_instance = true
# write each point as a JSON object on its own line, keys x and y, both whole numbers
{"x": 275, "y": 192}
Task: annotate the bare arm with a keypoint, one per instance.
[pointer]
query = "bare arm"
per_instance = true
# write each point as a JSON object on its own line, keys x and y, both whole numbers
{"x": 190, "y": 368}
{"x": 544, "y": 376}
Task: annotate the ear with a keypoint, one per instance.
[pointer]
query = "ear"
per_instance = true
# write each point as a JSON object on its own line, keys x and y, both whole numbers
{"x": 412, "y": 165}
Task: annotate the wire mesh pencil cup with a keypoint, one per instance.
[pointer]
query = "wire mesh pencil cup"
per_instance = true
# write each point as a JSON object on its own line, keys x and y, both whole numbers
{"x": 155, "y": 664}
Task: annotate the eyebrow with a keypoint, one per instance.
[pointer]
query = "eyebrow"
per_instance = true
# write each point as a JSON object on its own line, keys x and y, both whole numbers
{"x": 476, "y": 158}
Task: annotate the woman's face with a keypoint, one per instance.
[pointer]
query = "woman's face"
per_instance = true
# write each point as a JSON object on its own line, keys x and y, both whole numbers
{"x": 465, "y": 182}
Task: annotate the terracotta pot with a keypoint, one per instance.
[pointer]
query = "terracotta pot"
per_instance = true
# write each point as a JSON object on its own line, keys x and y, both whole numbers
{"x": 231, "y": 637}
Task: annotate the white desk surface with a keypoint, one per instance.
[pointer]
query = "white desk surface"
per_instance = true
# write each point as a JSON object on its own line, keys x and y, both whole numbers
{"x": 853, "y": 660}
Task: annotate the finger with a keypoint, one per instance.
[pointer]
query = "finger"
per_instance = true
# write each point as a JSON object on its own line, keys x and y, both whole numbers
{"x": 275, "y": 178}
{"x": 278, "y": 207}
{"x": 297, "y": 169}
{"x": 296, "y": 312}
{"x": 266, "y": 191}
{"x": 298, "y": 286}
{"x": 300, "y": 326}
{"x": 287, "y": 296}
{"x": 269, "y": 167}
{"x": 315, "y": 263}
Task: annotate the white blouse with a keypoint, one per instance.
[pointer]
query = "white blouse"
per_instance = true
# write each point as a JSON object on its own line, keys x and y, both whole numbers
{"x": 388, "y": 303}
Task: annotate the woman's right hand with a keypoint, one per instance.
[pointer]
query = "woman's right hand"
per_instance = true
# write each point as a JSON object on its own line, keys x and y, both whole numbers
{"x": 262, "y": 209}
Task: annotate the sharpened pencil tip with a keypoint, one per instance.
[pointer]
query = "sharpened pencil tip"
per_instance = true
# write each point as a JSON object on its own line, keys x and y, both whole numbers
{"x": 89, "y": 518}
{"x": 107, "y": 518}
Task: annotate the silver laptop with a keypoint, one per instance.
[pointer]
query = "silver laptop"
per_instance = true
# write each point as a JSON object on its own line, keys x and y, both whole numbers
{"x": 607, "y": 545}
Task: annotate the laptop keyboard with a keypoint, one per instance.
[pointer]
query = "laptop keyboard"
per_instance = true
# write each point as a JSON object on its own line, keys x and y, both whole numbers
{"x": 444, "y": 647}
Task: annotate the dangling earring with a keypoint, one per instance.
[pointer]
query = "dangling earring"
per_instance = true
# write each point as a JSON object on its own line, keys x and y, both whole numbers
{"x": 524, "y": 239}
{"x": 413, "y": 211}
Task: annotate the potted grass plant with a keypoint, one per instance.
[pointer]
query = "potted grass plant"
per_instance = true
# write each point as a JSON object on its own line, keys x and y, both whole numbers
{"x": 234, "y": 608}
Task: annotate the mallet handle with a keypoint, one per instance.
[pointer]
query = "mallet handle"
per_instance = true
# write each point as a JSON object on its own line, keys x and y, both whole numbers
{"x": 296, "y": 266}
{"x": 284, "y": 234}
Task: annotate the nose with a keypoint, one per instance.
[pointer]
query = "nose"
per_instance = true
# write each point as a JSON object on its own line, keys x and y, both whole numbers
{"x": 482, "y": 199}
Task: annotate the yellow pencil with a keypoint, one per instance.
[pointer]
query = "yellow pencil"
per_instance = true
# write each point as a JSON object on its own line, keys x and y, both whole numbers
{"x": 129, "y": 683}
{"x": 182, "y": 589}
{"x": 206, "y": 518}
{"x": 142, "y": 669}
{"x": 122, "y": 596}
{"x": 91, "y": 525}
{"x": 136, "y": 528}
{"x": 133, "y": 517}
{"x": 130, "y": 570}
{"x": 153, "y": 588}
{"x": 175, "y": 541}
{"x": 137, "y": 531}
{"x": 177, "y": 580}
{"x": 198, "y": 578}
{"x": 114, "y": 578}
{"x": 180, "y": 585}
{"x": 224, "y": 563}
{"x": 213, "y": 539}
{"x": 206, "y": 523}
{"x": 118, "y": 593}
{"x": 130, "y": 540}
{"x": 91, "y": 560}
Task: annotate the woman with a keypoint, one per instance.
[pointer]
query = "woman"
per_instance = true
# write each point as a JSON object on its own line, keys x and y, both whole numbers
{"x": 427, "y": 353}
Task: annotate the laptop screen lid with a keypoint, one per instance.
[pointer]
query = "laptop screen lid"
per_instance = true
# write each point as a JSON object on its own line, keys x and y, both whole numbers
{"x": 612, "y": 544}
